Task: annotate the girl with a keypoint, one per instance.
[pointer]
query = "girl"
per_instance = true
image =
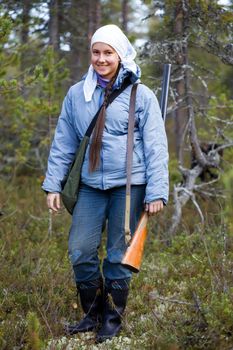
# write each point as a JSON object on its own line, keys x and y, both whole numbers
{"x": 101, "y": 200}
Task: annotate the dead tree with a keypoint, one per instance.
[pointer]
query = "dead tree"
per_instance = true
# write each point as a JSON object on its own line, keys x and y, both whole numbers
{"x": 204, "y": 161}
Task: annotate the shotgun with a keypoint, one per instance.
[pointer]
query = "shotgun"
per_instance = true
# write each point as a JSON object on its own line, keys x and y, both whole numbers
{"x": 133, "y": 255}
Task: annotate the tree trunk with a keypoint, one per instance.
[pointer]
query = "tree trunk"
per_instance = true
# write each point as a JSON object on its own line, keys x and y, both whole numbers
{"x": 79, "y": 43}
{"x": 125, "y": 12}
{"x": 94, "y": 17}
{"x": 24, "y": 35}
{"x": 180, "y": 113}
{"x": 54, "y": 38}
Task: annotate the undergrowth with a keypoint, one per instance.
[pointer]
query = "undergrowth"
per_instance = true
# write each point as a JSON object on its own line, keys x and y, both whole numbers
{"x": 181, "y": 299}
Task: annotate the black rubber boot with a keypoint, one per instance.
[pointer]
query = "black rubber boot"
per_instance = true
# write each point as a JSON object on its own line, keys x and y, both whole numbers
{"x": 115, "y": 299}
{"x": 91, "y": 297}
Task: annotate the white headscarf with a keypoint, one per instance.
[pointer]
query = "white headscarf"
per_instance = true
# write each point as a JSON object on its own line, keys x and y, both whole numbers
{"x": 113, "y": 36}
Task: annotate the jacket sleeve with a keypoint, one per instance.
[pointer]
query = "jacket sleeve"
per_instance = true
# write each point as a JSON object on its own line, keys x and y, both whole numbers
{"x": 154, "y": 137}
{"x": 63, "y": 149}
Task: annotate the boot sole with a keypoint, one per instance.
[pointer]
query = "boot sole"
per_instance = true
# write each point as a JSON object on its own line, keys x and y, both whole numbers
{"x": 82, "y": 330}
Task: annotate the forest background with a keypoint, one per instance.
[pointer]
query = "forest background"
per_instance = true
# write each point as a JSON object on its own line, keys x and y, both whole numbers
{"x": 185, "y": 283}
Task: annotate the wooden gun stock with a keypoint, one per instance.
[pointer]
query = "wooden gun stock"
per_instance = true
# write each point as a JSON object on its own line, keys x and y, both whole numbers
{"x": 133, "y": 255}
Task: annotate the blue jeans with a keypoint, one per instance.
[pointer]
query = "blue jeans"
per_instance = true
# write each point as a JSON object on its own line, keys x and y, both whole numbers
{"x": 93, "y": 209}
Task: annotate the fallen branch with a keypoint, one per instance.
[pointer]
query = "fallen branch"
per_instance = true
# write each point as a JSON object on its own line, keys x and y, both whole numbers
{"x": 154, "y": 296}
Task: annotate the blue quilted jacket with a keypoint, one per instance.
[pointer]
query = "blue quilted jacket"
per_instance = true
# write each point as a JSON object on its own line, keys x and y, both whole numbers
{"x": 150, "y": 154}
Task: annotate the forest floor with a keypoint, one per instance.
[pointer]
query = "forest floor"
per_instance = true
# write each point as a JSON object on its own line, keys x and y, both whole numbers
{"x": 181, "y": 299}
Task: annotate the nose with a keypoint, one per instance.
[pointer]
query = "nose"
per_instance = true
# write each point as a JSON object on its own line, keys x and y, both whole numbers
{"x": 101, "y": 57}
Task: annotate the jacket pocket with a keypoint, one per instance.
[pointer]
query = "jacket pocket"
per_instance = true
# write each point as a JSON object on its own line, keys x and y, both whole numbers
{"x": 138, "y": 156}
{"x": 138, "y": 150}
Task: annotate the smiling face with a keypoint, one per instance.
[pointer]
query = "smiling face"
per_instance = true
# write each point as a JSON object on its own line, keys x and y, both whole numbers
{"x": 104, "y": 59}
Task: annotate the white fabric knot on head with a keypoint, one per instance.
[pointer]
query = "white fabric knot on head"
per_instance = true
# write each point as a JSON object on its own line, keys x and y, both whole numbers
{"x": 113, "y": 36}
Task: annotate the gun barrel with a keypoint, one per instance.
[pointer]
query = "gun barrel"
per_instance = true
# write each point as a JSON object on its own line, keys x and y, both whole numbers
{"x": 165, "y": 88}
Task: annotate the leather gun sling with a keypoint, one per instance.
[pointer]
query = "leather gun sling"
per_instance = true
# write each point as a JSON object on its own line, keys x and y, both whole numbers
{"x": 129, "y": 160}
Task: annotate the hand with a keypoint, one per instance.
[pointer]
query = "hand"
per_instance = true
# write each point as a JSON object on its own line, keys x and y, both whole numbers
{"x": 154, "y": 207}
{"x": 54, "y": 201}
